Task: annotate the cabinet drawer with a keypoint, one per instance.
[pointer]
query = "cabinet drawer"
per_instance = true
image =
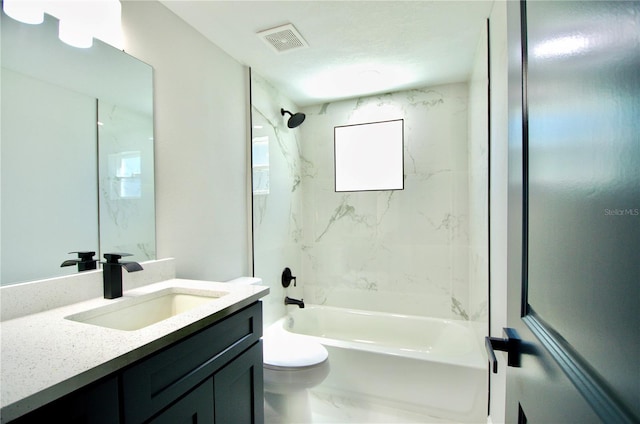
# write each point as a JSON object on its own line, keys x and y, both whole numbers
{"x": 154, "y": 383}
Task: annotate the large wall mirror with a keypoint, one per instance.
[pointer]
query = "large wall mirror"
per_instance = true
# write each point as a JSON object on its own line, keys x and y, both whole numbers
{"x": 76, "y": 152}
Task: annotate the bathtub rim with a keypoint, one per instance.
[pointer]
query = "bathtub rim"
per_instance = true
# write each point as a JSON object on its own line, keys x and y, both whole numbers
{"x": 476, "y": 359}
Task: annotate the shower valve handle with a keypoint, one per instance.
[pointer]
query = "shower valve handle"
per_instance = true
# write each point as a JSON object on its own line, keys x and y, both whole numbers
{"x": 287, "y": 277}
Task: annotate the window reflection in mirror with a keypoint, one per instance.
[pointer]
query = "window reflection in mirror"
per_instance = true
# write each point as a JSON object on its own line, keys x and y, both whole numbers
{"x": 124, "y": 175}
{"x": 260, "y": 164}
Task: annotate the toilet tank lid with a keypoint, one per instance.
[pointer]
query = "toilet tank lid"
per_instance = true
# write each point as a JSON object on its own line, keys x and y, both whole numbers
{"x": 293, "y": 352}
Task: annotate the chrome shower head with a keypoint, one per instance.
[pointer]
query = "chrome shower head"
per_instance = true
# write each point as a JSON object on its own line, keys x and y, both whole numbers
{"x": 295, "y": 120}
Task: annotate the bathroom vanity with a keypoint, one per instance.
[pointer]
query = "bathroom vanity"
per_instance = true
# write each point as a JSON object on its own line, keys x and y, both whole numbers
{"x": 201, "y": 365}
{"x": 214, "y": 375}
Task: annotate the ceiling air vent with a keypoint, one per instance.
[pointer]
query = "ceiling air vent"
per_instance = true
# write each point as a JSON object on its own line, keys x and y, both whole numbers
{"x": 283, "y": 38}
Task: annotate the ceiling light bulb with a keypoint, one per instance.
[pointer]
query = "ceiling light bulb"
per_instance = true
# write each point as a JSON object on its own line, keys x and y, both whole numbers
{"x": 79, "y": 21}
{"x": 75, "y": 35}
{"x": 28, "y": 12}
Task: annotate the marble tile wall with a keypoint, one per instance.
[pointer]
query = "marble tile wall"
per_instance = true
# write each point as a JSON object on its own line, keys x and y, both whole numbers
{"x": 126, "y": 196}
{"x": 405, "y": 251}
{"x": 479, "y": 184}
{"x": 277, "y": 198}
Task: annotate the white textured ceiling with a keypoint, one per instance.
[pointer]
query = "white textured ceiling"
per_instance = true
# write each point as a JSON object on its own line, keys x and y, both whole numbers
{"x": 389, "y": 45}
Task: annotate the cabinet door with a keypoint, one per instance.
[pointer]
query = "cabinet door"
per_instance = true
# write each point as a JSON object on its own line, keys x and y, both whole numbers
{"x": 194, "y": 408}
{"x": 96, "y": 404}
{"x": 238, "y": 389}
{"x": 155, "y": 382}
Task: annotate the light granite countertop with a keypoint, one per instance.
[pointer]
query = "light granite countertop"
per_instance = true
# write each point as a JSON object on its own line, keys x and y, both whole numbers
{"x": 46, "y": 356}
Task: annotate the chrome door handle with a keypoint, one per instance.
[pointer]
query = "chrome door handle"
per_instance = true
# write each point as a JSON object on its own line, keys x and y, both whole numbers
{"x": 511, "y": 344}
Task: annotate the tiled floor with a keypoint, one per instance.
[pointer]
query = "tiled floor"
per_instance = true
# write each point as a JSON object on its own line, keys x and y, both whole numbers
{"x": 331, "y": 408}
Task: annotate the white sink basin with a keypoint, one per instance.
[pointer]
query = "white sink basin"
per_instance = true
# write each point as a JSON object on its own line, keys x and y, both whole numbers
{"x": 144, "y": 310}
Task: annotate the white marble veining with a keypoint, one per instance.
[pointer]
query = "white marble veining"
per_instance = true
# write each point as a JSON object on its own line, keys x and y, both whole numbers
{"x": 277, "y": 212}
{"x": 399, "y": 250}
{"x": 421, "y": 250}
{"x": 127, "y": 217}
{"x": 45, "y": 356}
{"x": 479, "y": 184}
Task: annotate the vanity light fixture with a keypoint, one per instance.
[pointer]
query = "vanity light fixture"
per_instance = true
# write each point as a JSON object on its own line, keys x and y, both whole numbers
{"x": 79, "y": 21}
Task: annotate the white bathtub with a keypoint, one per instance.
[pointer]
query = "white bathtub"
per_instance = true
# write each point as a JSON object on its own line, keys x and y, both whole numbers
{"x": 426, "y": 365}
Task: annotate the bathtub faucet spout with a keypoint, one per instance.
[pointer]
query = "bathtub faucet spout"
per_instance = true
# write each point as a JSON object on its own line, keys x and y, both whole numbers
{"x": 290, "y": 301}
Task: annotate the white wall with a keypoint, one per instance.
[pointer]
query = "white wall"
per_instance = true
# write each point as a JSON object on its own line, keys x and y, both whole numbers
{"x": 201, "y": 123}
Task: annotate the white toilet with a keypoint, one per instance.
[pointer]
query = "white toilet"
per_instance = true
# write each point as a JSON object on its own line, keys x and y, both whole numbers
{"x": 292, "y": 365}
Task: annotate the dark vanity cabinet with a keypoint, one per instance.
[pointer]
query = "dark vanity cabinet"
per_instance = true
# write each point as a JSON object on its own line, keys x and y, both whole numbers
{"x": 97, "y": 403}
{"x": 169, "y": 386}
{"x": 230, "y": 396}
{"x": 212, "y": 376}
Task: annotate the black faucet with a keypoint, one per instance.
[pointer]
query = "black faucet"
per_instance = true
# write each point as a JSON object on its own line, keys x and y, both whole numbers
{"x": 290, "y": 301}
{"x": 85, "y": 261}
{"x": 112, "y": 273}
